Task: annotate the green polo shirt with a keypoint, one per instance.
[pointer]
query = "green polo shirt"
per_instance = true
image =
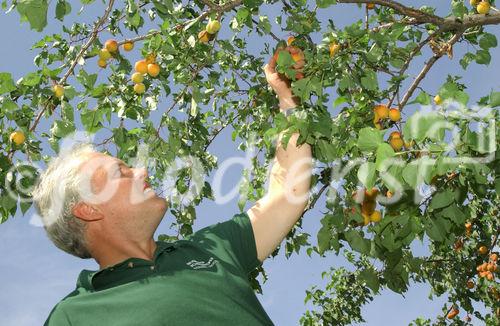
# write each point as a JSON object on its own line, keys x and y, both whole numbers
{"x": 201, "y": 280}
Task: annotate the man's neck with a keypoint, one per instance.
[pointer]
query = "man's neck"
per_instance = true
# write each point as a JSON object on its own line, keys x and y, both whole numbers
{"x": 108, "y": 253}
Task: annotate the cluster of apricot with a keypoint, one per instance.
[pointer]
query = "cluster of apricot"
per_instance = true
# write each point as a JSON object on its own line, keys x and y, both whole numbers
{"x": 482, "y": 7}
{"x": 383, "y": 114}
{"x": 208, "y": 34}
{"x": 110, "y": 50}
{"x": 487, "y": 269}
{"x": 142, "y": 67}
{"x": 367, "y": 199}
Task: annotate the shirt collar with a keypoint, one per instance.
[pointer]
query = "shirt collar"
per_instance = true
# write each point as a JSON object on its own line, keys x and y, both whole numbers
{"x": 86, "y": 277}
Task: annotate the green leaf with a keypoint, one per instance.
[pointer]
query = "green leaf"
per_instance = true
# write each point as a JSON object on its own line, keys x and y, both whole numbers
{"x": 494, "y": 99}
{"x": 458, "y": 8}
{"x": 369, "y": 81}
{"x": 384, "y": 151}
{"x": 325, "y": 3}
{"x": 61, "y": 128}
{"x": 6, "y": 83}
{"x": 31, "y": 79}
{"x": 422, "y": 98}
{"x": 435, "y": 229}
{"x": 369, "y": 139}
{"x": 454, "y": 214}
{"x": 467, "y": 59}
{"x": 63, "y": 8}
{"x": 35, "y": 11}
{"x": 366, "y": 174}
{"x": 370, "y": 277}
{"x": 442, "y": 199}
{"x": 357, "y": 242}
{"x": 488, "y": 41}
{"x": 324, "y": 236}
{"x": 483, "y": 57}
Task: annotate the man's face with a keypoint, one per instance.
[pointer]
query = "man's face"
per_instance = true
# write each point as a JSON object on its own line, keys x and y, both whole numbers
{"x": 122, "y": 195}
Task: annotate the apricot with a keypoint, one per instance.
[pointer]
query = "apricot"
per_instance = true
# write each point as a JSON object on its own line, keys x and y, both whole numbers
{"x": 139, "y": 88}
{"x": 153, "y": 69}
{"x": 58, "y": 91}
{"x": 111, "y": 46}
{"x": 394, "y": 114}
{"x": 137, "y": 77}
{"x": 141, "y": 67}
{"x": 381, "y": 111}
{"x": 102, "y": 63}
{"x": 17, "y": 137}
{"x": 128, "y": 46}
{"x": 483, "y": 7}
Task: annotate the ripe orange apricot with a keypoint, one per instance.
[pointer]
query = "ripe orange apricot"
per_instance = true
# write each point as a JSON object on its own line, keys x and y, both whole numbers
{"x": 394, "y": 114}
{"x": 128, "y": 46}
{"x": 290, "y": 40}
{"x": 17, "y": 137}
{"x": 382, "y": 111}
{"x": 370, "y": 5}
{"x": 111, "y": 46}
{"x": 494, "y": 257}
{"x": 396, "y": 143}
{"x": 153, "y": 69}
{"x": 141, "y": 67}
{"x": 483, "y": 7}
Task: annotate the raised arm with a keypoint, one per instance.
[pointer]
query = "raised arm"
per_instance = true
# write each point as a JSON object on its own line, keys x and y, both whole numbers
{"x": 275, "y": 214}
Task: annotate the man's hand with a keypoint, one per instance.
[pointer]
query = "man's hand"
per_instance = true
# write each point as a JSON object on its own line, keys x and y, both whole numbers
{"x": 279, "y": 83}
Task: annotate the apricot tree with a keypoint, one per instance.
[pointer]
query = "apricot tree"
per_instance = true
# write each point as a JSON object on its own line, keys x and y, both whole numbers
{"x": 391, "y": 175}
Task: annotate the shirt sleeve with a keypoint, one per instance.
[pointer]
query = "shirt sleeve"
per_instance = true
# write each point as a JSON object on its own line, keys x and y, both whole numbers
{"x": 232, "y": 240}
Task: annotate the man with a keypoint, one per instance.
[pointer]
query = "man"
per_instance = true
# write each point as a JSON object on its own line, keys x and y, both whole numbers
{"x": 200, "y": 280}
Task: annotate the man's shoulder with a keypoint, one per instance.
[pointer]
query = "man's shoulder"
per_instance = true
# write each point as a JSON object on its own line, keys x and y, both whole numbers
{"x": 58, "y": 315}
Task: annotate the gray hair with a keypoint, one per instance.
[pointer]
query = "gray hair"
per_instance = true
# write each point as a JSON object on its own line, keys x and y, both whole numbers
{"x": 55, "y": 195}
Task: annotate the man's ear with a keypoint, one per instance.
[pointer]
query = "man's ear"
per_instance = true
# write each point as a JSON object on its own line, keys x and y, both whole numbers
{"x": 86, "y": 212}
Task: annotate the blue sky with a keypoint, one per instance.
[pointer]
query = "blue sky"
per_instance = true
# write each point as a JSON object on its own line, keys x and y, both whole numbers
{"x": 35, "y": 275}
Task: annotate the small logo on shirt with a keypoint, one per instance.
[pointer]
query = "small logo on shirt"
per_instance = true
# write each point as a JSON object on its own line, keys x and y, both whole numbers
{"x": 194, "y": 264}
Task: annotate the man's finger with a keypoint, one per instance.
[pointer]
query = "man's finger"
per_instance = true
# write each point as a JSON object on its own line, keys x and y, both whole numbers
{"x": 272, "y": 62}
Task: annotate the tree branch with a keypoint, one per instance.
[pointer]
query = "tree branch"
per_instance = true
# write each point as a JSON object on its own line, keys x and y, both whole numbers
{"x": 402, "y": 9}
{"x": 426, "y": 69}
